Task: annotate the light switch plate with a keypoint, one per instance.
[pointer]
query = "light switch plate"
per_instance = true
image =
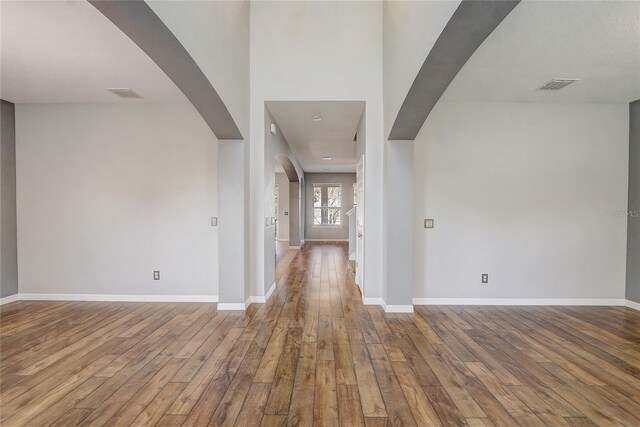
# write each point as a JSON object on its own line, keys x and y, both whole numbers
{"x": 214, "y": 221}
{"x": 267, "y": 221}
{"x": 273, "y": 220}
{"x": 156, "y": 275}
{"x": 286, "y": 213}
{"x": 428, "y": 223}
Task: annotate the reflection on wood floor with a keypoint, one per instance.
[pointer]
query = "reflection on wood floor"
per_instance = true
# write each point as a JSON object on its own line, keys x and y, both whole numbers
{"x": 314, "y": 354}
{"x": 284, "y": 256}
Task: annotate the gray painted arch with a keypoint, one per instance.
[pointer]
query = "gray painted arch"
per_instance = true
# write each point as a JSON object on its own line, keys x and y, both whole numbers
{"x": 140, "y": 23}
{"x": 471, "y": 23}
{"x": 288, "y": 166}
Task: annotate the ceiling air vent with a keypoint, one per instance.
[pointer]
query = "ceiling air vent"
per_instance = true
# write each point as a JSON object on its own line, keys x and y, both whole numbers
{"x": 124, "y": 93}
{"x": 557, "y": 84}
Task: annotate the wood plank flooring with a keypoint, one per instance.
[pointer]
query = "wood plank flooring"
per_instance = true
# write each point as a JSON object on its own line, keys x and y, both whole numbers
{"x": 314, "y": 355}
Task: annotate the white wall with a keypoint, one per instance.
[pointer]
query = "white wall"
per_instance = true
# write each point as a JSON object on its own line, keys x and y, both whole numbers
{"x": 216, "y": 35}
{"x": 283, "y": 206}
{"x": 109, "y": 193}
{"x": 273, "y": 145}
{"x": 318, "y": 51}
{"x": 410, "y": 30}
{"x": 521, "y": 192}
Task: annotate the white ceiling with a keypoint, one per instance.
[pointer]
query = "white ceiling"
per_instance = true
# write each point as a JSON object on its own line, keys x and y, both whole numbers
{"x": 311, "y": 140}
{"x": 67, "y": 51}
{"x": 595, "y": 41}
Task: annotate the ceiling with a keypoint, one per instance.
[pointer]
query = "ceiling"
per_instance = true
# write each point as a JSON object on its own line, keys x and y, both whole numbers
{"x": 595, "y": 41}
{"x": 312, "y": 140}
{"x": 67, "y": 51}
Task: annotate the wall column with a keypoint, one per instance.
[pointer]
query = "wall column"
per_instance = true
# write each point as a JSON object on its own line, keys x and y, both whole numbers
{"x": 8, "y": 230}
{"x": 232, "y": 222}
{"x": 294, "y": 214}
{"x": 399, "y": 227}
{"x": 633, "y": 217}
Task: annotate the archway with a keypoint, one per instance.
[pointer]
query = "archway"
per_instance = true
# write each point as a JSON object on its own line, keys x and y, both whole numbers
{"x": 294, "y": 212}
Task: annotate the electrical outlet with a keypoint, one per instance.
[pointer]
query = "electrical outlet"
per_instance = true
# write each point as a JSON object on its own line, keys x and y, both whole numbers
{"x": 286, "y": 213}
{"x": 214, "y": 221}
{"x": 156, "y": 275}
{"x": 485, "y": 278}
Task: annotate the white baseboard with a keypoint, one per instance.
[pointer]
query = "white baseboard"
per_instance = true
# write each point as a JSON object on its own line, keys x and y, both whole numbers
{"x": 326, "y": 240}
{"x": 270, "y": 291}
{"x": 233, "y": 306}
{"x": 283, "y": 240}
{"x": 632, "y": 304}
{"x": 388, "y": 308}
{"x": 10, "y": 298}
{"x": 515, "y": 301}
{"x": 294, "y": 247}
{"x": 117, "y": 298}
{"x": 397, "y": 308}
{"x": 254, "y": 299}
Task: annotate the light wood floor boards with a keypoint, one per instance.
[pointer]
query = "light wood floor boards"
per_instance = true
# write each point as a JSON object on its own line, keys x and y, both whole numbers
{"x": 315, "y": 355}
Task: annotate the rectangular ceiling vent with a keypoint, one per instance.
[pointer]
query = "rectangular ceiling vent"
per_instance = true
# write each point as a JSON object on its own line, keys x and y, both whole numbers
{"x": 557, "y": 84}
{"x": 124, "y": 93}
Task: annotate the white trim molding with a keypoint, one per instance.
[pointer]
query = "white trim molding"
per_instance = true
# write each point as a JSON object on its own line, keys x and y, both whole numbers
{"x": 10, "y": 298}
{"x": 270, "y": 291}
{"x": 397, "y": 308}
{"x": 388, "y": 308}
{"x": 372, "y": 301}
{"x": 117, "y": 298}
{"x": 632, "y": 304}
{"x": 233, "y": 306}
{"x": 516, "y": 301}
{"x": 326, "y": 240}
{"x": 259, "y": 299}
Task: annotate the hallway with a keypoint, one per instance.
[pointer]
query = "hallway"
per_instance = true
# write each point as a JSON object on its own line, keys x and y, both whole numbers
{"x": 314, "y": 354}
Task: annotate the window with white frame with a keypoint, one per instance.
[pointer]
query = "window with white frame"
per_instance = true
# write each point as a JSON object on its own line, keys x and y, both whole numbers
{"x": 327, "y": 204}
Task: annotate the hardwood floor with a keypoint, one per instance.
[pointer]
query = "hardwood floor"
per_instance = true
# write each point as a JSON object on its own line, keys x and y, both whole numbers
{"x": 315, "y": 355}
{"x": 284, "y": 256}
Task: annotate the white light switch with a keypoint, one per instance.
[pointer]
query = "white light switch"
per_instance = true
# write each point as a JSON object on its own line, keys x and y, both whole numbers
{"x": 428, "y": 223}
{"x": 214, "y": 221}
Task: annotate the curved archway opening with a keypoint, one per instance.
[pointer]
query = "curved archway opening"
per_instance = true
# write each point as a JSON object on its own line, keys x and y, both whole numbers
{"x": 288, "y": 199}
{"x": 288, "y": 213}
{"x": 288, "y": 167}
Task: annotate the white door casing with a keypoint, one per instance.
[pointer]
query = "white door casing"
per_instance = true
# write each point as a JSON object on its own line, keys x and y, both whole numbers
{"x": 360, "y": 224}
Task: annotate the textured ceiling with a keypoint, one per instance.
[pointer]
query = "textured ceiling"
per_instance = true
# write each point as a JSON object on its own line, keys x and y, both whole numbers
{"x": 67, "y": 51}
{"x": 311, "y": 140}
{"x": 595, "y": 41}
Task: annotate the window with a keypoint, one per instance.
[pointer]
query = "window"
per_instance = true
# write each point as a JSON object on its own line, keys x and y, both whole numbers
{"x": 327, "y": 203}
